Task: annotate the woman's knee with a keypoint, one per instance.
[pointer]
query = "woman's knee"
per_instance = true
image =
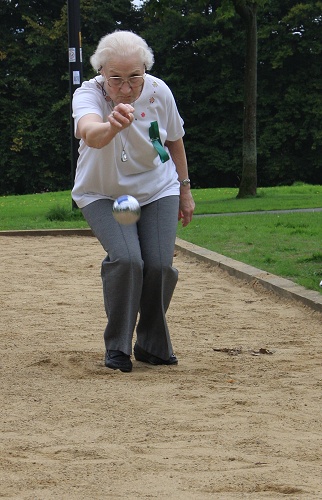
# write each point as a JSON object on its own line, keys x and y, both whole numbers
{"x": 125, "y": 265}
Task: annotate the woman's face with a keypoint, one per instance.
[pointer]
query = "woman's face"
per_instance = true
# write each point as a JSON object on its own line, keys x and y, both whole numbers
{"x": 120, "y": 85}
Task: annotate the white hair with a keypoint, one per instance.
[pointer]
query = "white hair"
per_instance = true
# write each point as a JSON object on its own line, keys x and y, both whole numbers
{"x": 121, "y": 43}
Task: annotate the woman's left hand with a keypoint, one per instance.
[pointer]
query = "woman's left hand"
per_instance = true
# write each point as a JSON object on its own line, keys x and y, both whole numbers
{"x": 178, "y": 155}
{"x": 186, "y": 206}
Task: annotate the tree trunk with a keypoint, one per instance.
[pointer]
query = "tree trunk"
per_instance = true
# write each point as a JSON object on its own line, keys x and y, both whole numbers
{"x": 248, "y": 184}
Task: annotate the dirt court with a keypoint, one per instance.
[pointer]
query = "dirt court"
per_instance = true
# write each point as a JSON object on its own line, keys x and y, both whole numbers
{"x": 238, "y": 418}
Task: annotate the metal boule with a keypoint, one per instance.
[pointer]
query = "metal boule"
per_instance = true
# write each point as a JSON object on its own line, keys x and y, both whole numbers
{"x": 126, "y": 209}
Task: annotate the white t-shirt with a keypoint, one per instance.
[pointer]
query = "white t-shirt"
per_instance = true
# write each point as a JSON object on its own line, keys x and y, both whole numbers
{"x": 100, "y": 173}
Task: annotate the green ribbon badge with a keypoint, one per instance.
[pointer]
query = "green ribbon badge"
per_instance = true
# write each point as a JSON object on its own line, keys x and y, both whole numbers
{"x": 156, "y": 141}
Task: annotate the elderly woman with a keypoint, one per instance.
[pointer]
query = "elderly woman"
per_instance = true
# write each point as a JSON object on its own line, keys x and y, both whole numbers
{"x": 130, "y": 135}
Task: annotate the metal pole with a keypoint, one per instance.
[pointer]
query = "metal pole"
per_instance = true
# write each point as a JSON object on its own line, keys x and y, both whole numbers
{"x": 75, "y": 72}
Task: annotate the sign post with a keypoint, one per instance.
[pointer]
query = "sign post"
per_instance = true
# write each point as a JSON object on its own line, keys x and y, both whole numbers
{"x": 75, "y": 71}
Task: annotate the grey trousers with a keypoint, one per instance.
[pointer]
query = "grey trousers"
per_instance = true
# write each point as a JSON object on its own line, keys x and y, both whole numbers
{"x": 137, "y": 274}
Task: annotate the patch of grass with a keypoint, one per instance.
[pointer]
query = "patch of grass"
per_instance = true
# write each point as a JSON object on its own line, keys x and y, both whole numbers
{"x": 316, "y": 257}
{"x": 61, "y": 213}
{"x": 32, "y": 211}
{"x": 223, "y": 200}
{"x": 288, "y": 245}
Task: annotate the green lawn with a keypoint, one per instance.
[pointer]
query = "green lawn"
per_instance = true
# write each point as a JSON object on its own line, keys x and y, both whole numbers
{"x": 223, "y": 200}
{"x": 288, "y": 245}
{"x": 32, "y": 211}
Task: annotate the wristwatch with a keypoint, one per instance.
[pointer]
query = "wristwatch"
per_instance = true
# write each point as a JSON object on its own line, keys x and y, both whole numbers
{"x": 185, "y": 182}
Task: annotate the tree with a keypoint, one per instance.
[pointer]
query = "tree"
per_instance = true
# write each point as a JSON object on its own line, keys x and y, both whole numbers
{"x": 196, "y": 56}
{"x": 32, "y": 96}
{"x": 290, "y": 92}
{"x": 200, "y": 50}
{"x": 248, "y": 185}
{"x": 199, "y": 31}
{"x": 34, "y": 86}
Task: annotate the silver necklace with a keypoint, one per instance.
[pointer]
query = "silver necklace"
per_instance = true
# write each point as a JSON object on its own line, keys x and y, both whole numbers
{"x": 123, "y": 153}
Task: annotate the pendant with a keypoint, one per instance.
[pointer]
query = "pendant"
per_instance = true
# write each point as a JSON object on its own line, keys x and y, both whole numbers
{"x": 123, "y": 156}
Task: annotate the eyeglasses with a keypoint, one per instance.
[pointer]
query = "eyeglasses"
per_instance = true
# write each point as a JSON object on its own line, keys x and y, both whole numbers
{"x": 117, "y": 82}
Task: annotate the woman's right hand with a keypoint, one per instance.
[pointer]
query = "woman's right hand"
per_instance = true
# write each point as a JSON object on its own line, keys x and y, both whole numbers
{"x": 96, "y": 133}
{"x": 122, "y": 116}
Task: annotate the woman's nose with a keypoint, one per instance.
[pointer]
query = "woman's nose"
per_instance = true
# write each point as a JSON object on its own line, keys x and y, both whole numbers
{"x": 125, "y": 82}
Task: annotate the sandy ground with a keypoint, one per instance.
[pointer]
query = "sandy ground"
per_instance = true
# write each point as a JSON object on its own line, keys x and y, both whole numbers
{"x": 226, "y": 423}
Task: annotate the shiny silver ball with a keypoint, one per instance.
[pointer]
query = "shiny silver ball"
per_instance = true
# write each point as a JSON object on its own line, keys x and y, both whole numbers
{"x": 126, "y": 209}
